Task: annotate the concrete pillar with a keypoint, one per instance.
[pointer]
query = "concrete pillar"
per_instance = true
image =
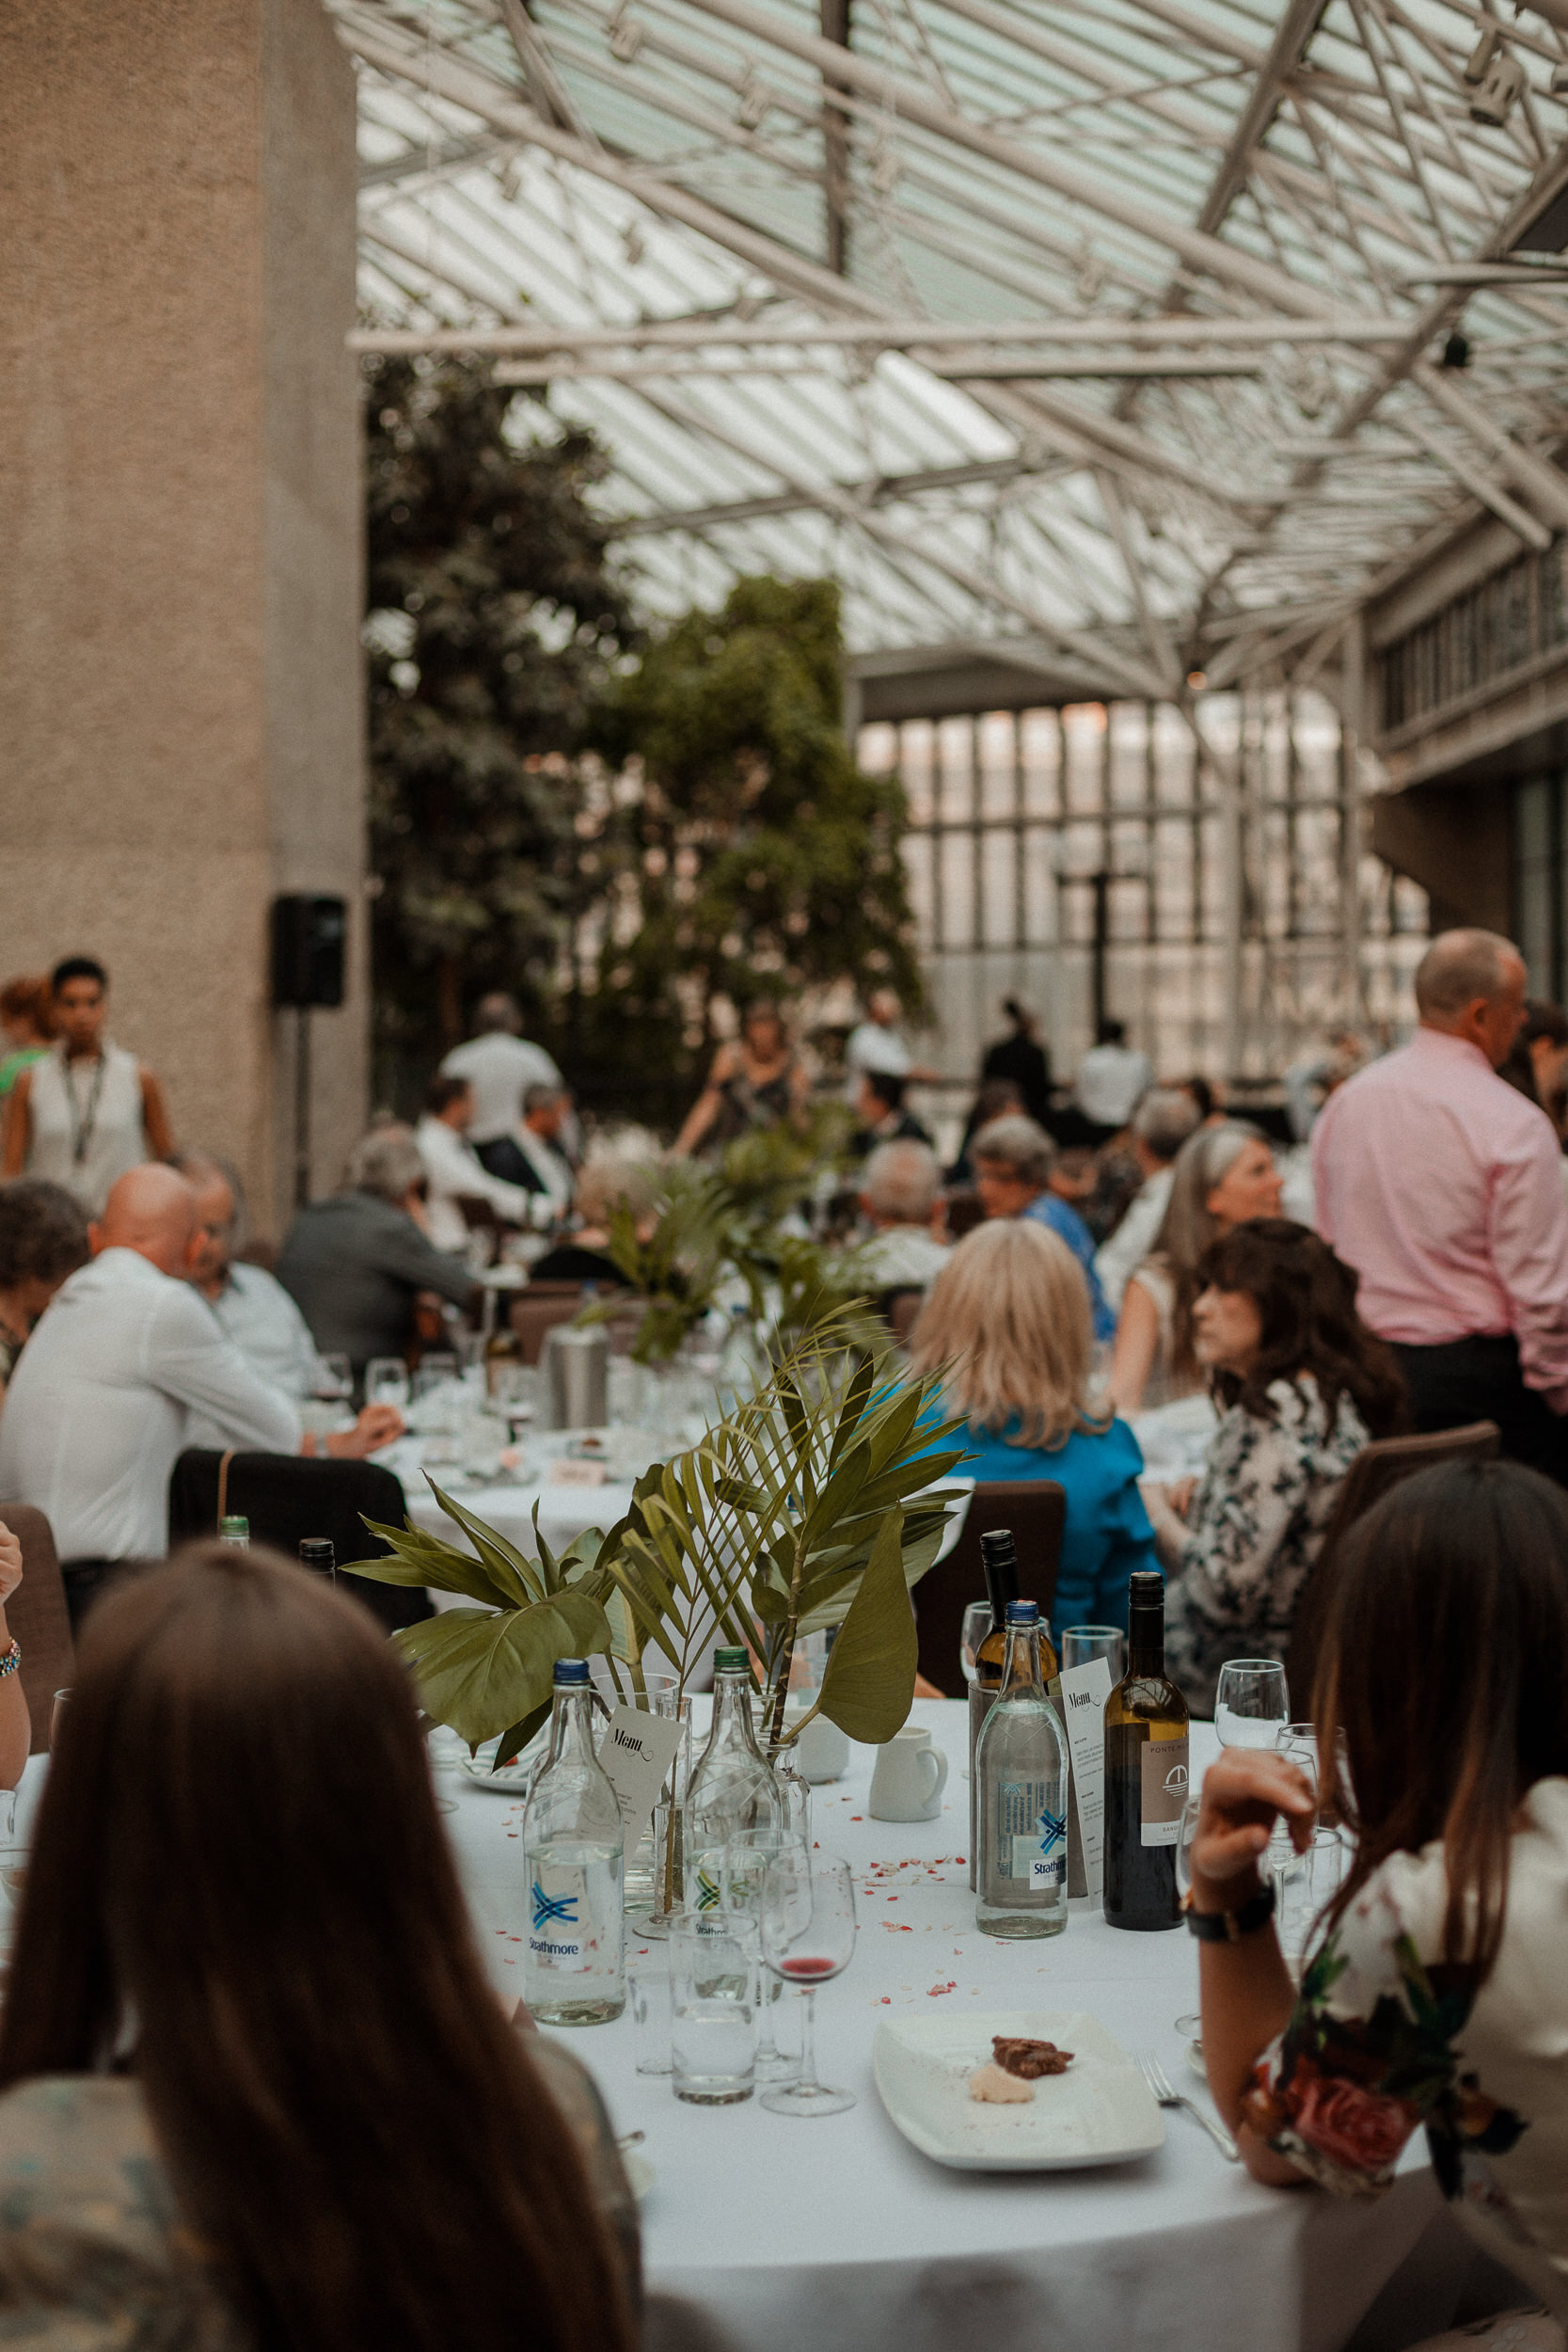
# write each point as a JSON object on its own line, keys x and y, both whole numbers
{"x": 181, "y": 705}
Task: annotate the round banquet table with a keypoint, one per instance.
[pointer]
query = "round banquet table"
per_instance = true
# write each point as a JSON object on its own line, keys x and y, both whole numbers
{"x": 838, "y": 2236}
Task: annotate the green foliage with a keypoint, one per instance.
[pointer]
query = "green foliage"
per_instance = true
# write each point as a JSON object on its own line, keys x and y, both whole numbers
{"x": 493, "y": 625}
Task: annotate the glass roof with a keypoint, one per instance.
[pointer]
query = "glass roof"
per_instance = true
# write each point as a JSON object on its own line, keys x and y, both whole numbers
{"x": 1185, "y": 269}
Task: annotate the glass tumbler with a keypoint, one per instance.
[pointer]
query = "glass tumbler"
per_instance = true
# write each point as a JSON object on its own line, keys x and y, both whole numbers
{"x": 713, "y": 2021}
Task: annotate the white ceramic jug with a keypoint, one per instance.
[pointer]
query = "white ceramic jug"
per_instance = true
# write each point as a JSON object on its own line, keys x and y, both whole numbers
{"x": 908, "y": 1778}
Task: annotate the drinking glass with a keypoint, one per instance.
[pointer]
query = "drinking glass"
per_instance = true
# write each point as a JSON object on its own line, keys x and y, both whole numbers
{"x": 807, "y": 1918}
{"x": 13, "y": 1868}
{"x": 1083, "y": 1644}
{"x": 1308, "y": 1883}
{"x": 387, "y": 1382}
{"x": 648, "y": 1999}
{"x": 333, "y": 1379}
{"x": 713, "y": 2027}
{"x": 56, "y": 1717}
{"x": 1251, "y": 1702}
{"x": 976, "y": 1625}
{"x": 747, "y": 1857}
{"x": 1189, "y": 2027}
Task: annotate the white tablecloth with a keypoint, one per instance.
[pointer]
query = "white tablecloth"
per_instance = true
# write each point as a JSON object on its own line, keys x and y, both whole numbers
{"x": 835, "y": 2236}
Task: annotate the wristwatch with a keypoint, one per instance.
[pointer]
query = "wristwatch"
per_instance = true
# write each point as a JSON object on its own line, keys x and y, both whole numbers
{"x": 1228, "y": 1927}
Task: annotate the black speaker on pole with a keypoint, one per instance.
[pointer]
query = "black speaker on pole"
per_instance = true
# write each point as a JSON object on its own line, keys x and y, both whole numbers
{"x": 309, "y": 929}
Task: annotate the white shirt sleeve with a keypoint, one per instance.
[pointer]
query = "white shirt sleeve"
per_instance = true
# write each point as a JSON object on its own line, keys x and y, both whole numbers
{"x": 189, "y": 1357}
{"x": 454, "y": 1168}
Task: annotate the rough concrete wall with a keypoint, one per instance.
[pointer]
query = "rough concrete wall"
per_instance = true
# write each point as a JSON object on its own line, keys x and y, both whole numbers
{"x": 141, "y": 654}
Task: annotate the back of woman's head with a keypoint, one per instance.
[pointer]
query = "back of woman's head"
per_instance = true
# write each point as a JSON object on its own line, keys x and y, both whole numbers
{"x": 239, "y": 1858}
{"x": 1306, "y": 1301}
{"x": 1011, "y": 1312}
{"x": 1445, "y": 1666}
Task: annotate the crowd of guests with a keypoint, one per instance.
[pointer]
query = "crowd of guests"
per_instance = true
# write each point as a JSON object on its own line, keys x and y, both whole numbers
{"x": 278, "y": 2105}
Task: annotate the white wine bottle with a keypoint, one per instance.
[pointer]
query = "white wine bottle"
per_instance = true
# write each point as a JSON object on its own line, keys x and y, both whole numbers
{"x": 1021, "y": 1764}
{"x": 1145, "y": 1771}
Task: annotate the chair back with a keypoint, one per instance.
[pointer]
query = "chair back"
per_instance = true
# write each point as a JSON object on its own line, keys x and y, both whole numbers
{"x": 1035, "y": 1510}
{"x": 539, "y": 1309}
{"x": 900, "y": 1310}
{"x": 286, "y": 1500}
{"x": 1377, "y": 1468}
{"x": 38, "y": 1618}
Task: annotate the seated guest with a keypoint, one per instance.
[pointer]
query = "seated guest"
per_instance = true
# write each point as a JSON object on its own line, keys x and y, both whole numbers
{"x": 102, "y": 1401}
{"x": 1161, "y": 1125}
{"x": 43, "y": 1237}
{"x": 1436, "y": 1994}
{"x": 452, "y": 1170}
{"x": 1010, "y": 1314}
{"x": 256, "y": 2088}
{"x": 879, "y": 1107}
{"x": 27, "y": 1024}
{"x": 542, "y": 1167}
{"x": 1013, "y": 1160}
{"x": 252, "y": 1306}
{"x": 617, "y": 1173}
{"x": 901, "y": 1197}
{"x": 1222, "y": 1176}
{"x": 1303, "y": 1385}
{"x": 16, "y": 1729}
{"x": 356, "y": 1262}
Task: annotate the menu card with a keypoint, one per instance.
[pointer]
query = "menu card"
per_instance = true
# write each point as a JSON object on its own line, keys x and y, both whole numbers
{"x": 636, "y": 1751}
{"x": 1084, "y": 1691}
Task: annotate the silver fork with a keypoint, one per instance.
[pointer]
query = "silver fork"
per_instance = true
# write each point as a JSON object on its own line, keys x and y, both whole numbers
{"x": 1159, "y": 2082}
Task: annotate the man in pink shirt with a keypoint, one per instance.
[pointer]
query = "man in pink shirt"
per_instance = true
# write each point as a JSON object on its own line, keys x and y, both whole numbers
{"x": 1440, "y": 1185}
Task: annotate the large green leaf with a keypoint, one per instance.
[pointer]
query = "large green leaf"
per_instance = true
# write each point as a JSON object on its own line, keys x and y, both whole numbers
{"x": 869, "y": 1681}
{"x": 484, "y": 1672}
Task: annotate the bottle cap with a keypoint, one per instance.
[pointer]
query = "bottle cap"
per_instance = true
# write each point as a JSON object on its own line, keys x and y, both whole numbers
{"x": 315, "y": 1552}
{"x": 730, "y": 1661}
{"x": 232, "y": 1527}
{"x": 1146, "y": 1588}
{"x": 1023, "y": 1613}
{"x": 570, "y": 1674}
{"x": 997, "y": 1544}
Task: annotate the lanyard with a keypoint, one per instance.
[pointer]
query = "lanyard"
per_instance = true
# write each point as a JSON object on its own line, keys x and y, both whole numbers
{"x": 81, "y": 1125}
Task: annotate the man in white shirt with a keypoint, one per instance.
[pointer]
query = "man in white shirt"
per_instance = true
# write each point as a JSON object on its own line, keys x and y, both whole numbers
{"x": 1112, "y": 1077}
{"x": 501, "y": 1066}
{"x": 453, "y": 1170}
{"x": 875, "y": 1043}
{"x": 1161, "y": 1126}
{"x": 103, "y": 1398}
{"x": 901, "y": 1195}
{"x": 252, "y": 1306}
{"x": 545, "y": 1111}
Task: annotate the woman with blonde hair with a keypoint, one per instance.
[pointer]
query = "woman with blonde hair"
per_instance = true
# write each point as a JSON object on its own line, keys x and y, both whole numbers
{"x": 1009, "y": 1315}
{"x": 1223, "y": 1175}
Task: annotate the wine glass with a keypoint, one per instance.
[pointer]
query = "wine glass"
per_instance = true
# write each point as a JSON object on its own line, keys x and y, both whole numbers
{"x": 747, "y": 1857}
{"x": 332, "y": 1381}
{"x": 1189, "y": 2027}
{"x": 1251, "y": 1702}
{"x": 387, "y": 1382}
{"x": 976, "y": 1625}
{"x": 807, "y": 1918}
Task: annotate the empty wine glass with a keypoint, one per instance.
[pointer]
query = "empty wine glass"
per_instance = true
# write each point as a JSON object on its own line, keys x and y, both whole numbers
{"x": 387, "y": 1382}
{"x": 807, "y": 1918}
{"x": 976, "y": 1625}
{"x": 1251, "y": 1702}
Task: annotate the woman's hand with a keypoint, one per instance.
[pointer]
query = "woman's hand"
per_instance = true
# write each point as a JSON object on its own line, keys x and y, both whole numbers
{"x": 1244, "y": 1791}
{"x": 1180, "y": 1493}
{"x": 375, "y": 1426}
{"x": 10, "y": 1564}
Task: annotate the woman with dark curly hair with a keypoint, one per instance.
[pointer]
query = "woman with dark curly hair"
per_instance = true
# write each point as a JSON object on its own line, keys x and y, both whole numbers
{"x": 1302, "y": 1386}
{"x": 43, "y": 1237}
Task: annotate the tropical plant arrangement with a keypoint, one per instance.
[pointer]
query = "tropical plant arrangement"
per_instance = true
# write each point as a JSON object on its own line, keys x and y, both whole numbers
{"x": 811, "y": 1504}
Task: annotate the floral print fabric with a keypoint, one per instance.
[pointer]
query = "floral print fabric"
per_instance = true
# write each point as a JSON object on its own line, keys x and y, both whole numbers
{"x": 1387, "y": 2038}
{"x": 1254, "y": 1529}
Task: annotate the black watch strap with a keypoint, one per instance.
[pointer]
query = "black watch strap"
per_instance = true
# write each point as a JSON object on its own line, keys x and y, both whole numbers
{"x": 1228, "y": 1927}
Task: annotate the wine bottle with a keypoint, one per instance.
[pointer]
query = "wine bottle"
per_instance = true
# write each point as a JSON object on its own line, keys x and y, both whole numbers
{"x": 317, "y": 1554}
{"x": 1021, "y": 1764}
{"x": 503, "y": 1356}
{"x": 574, "y": 1967}
{"x": 1145, "y": 1771}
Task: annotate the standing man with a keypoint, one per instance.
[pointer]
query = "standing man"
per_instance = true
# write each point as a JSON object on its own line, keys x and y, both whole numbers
{"x": 875, "y": 1043}
{"x": 1022, "y": 1060}
{"x": 1440, "y": 1184}
{"x": 1112, "y": 1078}
{"x": 500, "y": 1065}
{"x": 89, "y": 1110}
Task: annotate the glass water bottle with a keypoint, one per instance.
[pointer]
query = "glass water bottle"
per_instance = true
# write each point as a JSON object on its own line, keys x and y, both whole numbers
{"x": 575, "y": 1973}
{"x": 1021, "y": 1768}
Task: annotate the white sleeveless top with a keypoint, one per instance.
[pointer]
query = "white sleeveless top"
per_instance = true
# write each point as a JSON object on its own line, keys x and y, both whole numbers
{"x": 86, "y": 1122}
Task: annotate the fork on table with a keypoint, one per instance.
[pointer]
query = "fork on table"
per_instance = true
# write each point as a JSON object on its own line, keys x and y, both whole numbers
{"x": 1158, "y": 2083}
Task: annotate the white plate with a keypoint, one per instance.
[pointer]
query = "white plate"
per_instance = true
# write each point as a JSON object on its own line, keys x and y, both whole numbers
{"x": 1100, "y": 2111}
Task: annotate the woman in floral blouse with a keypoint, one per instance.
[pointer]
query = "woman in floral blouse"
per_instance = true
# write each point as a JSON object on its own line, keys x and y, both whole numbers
{"x": 1303, "y": 1385}
{"x": 1436, "y": 1988}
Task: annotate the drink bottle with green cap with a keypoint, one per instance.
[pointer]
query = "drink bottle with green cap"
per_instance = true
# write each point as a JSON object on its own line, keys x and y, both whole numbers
{"x": 234, "y": 1529}
{"x": 732, "y": 1786}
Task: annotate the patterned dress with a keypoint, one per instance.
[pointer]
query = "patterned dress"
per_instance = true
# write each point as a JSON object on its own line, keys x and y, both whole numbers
{"x": 1254, "y": 1529}
{"x": 1386, "y": 2038}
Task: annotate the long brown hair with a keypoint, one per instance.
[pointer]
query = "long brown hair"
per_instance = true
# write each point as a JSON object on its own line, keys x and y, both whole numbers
{"x": 1445, "y": 1666}
{"x": 239, "y": 1858}
{"x": 1305, "y": 1300}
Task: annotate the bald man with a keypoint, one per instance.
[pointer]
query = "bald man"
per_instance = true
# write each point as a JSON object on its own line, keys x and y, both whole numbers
{"x": 1441, "y": 1185}
{"x": 124, "y": 1359}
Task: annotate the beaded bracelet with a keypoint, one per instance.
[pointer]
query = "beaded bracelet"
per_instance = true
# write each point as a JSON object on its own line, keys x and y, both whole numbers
{"x": 10, "y": 1660}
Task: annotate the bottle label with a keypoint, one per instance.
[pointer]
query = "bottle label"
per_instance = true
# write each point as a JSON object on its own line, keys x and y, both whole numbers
{"x": 559, "y": 1936}
{"x": 1030, "y": 1835}
{"x": 1164, "y": 1790}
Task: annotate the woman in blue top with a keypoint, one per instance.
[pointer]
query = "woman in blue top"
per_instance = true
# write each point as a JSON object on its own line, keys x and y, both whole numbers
{"x": 1010, "y": 1315}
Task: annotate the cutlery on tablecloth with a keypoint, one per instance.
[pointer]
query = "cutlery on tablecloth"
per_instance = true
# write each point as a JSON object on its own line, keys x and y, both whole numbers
{"x": 1159, "y": 2082}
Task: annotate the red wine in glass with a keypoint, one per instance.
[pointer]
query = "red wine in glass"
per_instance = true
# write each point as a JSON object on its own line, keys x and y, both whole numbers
{"x": 809, "y": 1971}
